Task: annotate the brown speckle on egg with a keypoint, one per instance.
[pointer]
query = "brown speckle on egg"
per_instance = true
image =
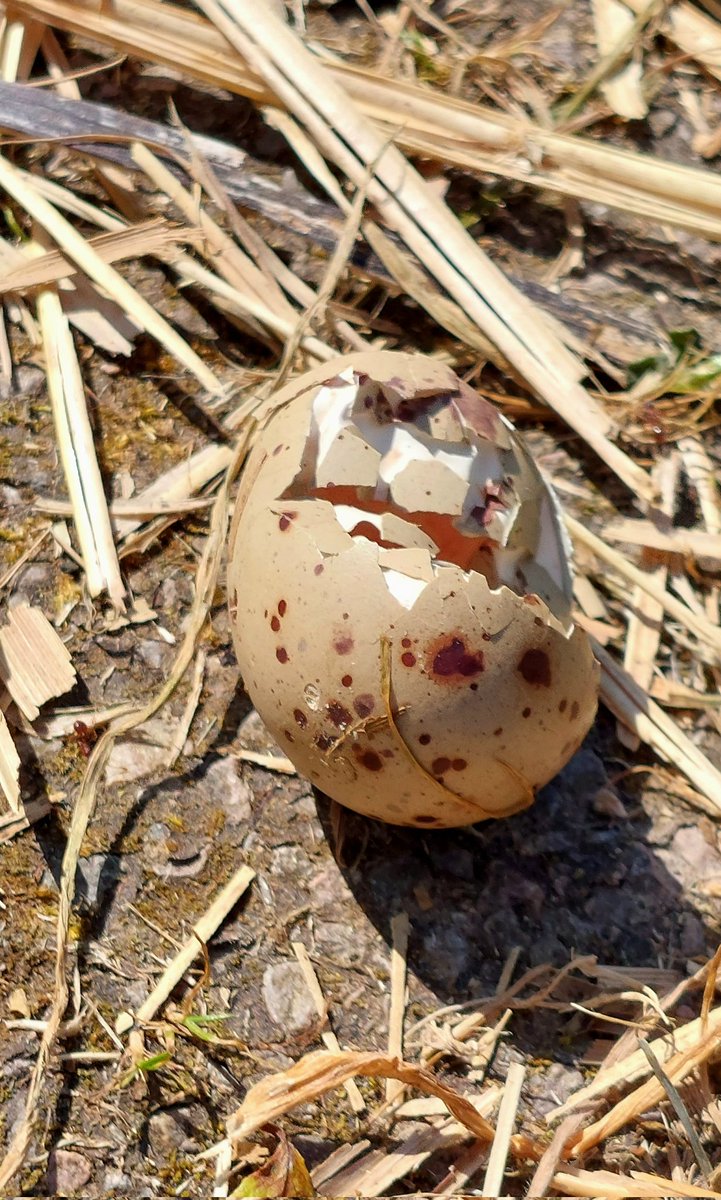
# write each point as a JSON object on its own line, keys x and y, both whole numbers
{"x": 535, "y": 668}
{"x": 343, "y": 644}
{"x": 338, "y": 714}
{"x": 364, "y": 705}
{"x": 370, "y": 760}
{"x": 450, "y": 660}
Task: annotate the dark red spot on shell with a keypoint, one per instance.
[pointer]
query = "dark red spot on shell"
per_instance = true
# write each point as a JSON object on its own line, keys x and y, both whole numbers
{"x": 563, "y": 706}
{"x": 531, "y": 598}
{"x": 318, "y": 569}
{"x": 450, "y": 659}
{"x": 323, "y": 741}
{"x": 486, "y": 637}
{"x": 282, "y": 608}
{"x": 423, "y": 819}
{"x": 498, "y": 732}
{"x": 439, "y": 765}
{"x": 459, "y": 764}
{"x": 408, "y": 659}
{"x": 300, "y": 717}
{"x": 474, "y": 687}
{"x": 281, "y": 654}
{"x": 406, "y": 642}
{"x": 370, "y": 760}
{"x": 526, "y": 712}
{"x": 574, "y": 710}
{"x": 364, "y": 704}
{"x": 274, "y": 624}
{"x": 535, "y": 668}
{"x": 338, "y": 714}
{"x": 285, "y": 520}
{"x": 343, "y": 644}
{"x": 537, "y": 621}
{"x": 347, "y": 681}
{"x": 289, "y": 735}
{"x": 424, "y": 739}
{"x": 387, "y": 753}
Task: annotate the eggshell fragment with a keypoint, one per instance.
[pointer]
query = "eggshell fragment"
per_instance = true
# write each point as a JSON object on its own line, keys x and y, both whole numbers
{"x": 400, "y": 596}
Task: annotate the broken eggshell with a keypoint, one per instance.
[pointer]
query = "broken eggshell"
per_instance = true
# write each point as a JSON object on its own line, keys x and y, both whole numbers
{"x": 400, "y": 596}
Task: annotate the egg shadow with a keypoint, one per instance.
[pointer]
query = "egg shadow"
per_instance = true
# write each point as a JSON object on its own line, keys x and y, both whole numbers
{"x": 561, "y": 879}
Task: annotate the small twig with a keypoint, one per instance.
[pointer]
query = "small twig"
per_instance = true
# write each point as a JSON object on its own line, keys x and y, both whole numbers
{"x": 203, "y": 930}
{"x": 504, "y": 1129}
{"x": 400, "y": 926}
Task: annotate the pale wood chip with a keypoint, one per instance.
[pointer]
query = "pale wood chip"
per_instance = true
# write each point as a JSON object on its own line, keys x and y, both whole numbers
{"x": 34, "y": 664}
{"x": 9, "y": 766}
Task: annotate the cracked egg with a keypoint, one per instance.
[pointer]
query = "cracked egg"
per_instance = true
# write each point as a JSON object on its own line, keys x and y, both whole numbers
{"x": 400, "y": 596}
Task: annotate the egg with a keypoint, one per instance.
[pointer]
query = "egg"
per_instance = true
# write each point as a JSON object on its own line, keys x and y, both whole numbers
{"x": 400, "y": 596}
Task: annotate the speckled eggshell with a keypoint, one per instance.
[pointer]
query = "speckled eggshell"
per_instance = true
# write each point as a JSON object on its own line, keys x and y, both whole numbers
{"x": 489, "y": 697}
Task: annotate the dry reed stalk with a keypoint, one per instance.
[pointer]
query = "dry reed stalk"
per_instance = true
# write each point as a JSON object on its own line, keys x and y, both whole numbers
{"x": 330, "y": 1041}
{"x": 622, "y": 84}
{"x": 206, "y": 581}
{"x": 183, "y": 727}
{"x": 154, "y": 237}
{"x": 320, "y": 1072}
{"x": 676, "y": 540}
{"x": 76, "y": 446}
{"x": 424, "y": 222}
{"x": 472, "y": 136}
{"x": 645, "y": 622}
{"x": 28, "y": 195}
{"x": 644, "y": 1097}
{"x": 636, "y": 1186}
{"x": 694, "y": 622}
{"x": 203, "y": 930}
{"x": 634, "y": 1066}
{"x": 658, "y": 730}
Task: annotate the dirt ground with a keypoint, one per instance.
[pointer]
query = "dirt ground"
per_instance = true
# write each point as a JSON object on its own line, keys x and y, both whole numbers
{"x": 632, "y": 881}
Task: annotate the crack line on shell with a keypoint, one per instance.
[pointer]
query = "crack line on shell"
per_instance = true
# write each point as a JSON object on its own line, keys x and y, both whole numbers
{"x": 447, "y": 794}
